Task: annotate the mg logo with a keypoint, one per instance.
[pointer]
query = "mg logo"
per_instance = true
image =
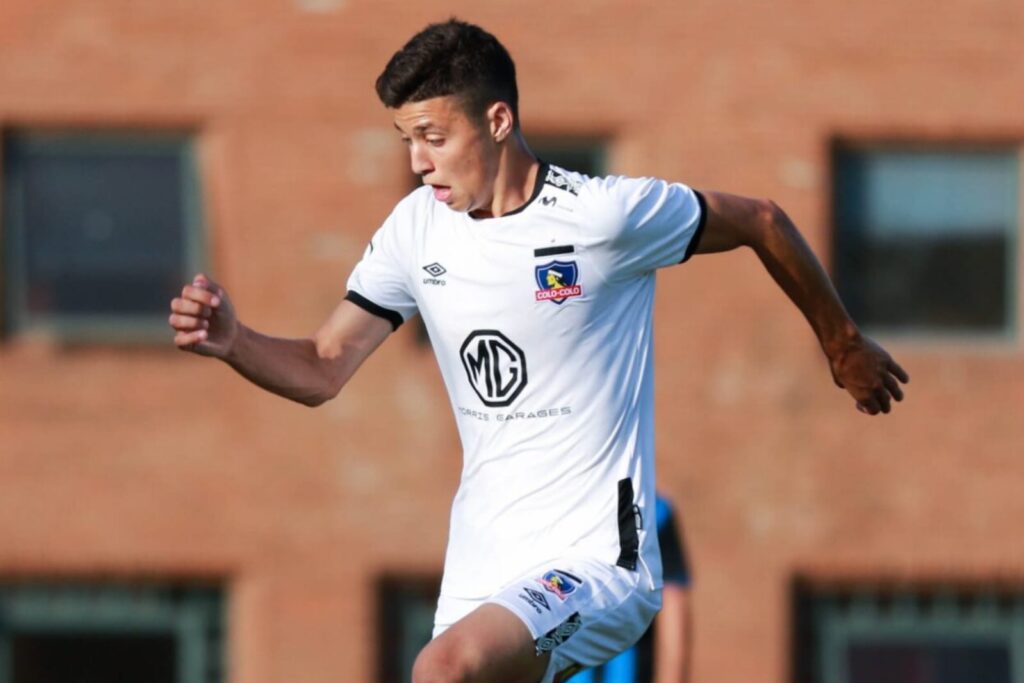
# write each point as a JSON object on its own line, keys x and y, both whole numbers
{"x": 496, "y": 367}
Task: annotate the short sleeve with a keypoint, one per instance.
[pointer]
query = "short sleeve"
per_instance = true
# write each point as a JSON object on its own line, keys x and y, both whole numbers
{"x": 379, "y": 283}
{"x": 675, "y": 565}
{"x": 660, "y": 224}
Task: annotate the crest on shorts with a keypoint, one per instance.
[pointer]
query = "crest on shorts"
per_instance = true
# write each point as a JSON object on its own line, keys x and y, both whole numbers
{"x": 558, "y": 281}
{"x": 560, "y": 583}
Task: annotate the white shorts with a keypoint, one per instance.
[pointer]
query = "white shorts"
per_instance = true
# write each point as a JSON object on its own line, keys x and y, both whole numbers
{"x": 581, "y": 611}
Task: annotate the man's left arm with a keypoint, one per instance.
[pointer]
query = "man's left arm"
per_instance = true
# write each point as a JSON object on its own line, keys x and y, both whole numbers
{"x": 858, "y": 364}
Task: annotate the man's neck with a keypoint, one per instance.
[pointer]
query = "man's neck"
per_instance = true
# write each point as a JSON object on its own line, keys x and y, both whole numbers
{"x": 517, "y": 176}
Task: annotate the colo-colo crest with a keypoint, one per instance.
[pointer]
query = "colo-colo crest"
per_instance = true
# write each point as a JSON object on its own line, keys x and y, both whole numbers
{"x": 558, "y": 281}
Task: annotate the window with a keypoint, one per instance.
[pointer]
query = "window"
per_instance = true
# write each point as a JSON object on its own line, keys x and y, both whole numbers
{"x": 926, "y": 238}
{"x": 100, "y": 232}
{"x": 582, "y": 155}
{"x": 406, "y": 606}
{"x": 92, "y": 633}
{"x": 928, "y": 635}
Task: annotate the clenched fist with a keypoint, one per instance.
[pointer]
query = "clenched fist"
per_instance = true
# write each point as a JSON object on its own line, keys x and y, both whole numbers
{"x": 204, "y": 319}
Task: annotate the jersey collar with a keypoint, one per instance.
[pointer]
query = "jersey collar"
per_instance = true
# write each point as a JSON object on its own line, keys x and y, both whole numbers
{"x": 538, "y": 185}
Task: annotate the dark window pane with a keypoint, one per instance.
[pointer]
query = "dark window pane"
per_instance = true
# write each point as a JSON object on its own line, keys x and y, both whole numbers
{"x": 406, "y": 606}
{"x": 103, "y": 232}
{"x": 90, "y": 658}
{"x": 955, "y": 283}
{"x": 97, "y": 633}
{"x": 929, "y": 662}
{"x": 889, "y": 634}
{"x": 100, "y": 226}
{"x": 924, "y": 238}
{"x": 582, "y": 156}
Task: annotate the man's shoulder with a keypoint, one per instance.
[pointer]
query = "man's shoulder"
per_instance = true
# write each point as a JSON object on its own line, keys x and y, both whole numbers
{"x": 602, "y": 203}
{"x": 602, "y": 192}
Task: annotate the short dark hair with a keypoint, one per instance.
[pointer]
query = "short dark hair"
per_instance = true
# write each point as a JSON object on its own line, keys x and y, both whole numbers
{"x": 451, "y": 58}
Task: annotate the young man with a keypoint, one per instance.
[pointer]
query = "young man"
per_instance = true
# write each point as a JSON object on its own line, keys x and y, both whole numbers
{"x": 536, "y": 285}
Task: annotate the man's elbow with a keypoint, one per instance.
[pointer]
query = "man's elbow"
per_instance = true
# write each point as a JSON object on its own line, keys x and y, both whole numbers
{"x": 770, "y": 215}
{"x": 317, "y": 396}
{"x": 328, "y": 371}
{"x": 315, "y": 400}
{"x": 769, "y": 222}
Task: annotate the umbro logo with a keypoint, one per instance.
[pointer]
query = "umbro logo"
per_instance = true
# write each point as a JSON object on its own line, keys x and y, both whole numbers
{"x": 435, "y": 270}
{"x": 535, "y": 599}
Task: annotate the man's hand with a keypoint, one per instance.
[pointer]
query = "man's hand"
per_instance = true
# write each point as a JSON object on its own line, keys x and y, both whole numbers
{"x": 869, "y": 373}
{"x": 204, "y": 319}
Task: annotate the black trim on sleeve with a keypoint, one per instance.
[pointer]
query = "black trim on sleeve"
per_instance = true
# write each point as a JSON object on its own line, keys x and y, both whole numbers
{"x": 629, "y": 541}
{"x": 691, "y": 248}
{"x": 362, "y": 302}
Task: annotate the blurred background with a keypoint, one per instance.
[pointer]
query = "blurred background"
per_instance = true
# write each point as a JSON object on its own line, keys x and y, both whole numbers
{"x": 162, "y": 520}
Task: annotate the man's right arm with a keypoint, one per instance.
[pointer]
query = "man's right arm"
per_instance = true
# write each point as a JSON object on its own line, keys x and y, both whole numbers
{"x": 309, "y": 371}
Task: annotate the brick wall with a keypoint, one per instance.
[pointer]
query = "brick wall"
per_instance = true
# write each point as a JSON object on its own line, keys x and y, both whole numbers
{"x": 145, "y": 462}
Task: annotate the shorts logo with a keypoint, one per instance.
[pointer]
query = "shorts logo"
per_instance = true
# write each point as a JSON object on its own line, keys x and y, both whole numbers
{"x": 557, "y": 281}
{"x": 495, "y": 367}
{"x": 535, "y": 599}
{"x": 561, "y": 584}
{"x": 559, "y": 634}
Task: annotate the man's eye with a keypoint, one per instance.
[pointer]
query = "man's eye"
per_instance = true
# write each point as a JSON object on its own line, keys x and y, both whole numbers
{"x": 406, "y": 141}
{"x": 436, "y": 142}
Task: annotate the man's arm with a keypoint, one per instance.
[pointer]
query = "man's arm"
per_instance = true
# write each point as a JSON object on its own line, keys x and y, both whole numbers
{"x": 309, "y": 371}
{"x": 673, "y": 644}
{"x": 858, "y": 364}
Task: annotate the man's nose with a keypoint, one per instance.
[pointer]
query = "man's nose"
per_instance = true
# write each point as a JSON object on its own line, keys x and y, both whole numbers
{"x": 420, "y": 160}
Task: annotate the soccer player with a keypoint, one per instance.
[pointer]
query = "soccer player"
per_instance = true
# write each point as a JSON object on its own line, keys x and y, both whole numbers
{"x": 664, "y": 653}
{"x": 535, "y": 284}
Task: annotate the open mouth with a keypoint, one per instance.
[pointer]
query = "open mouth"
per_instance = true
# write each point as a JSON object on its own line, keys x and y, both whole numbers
{"x": 442, "y": 192}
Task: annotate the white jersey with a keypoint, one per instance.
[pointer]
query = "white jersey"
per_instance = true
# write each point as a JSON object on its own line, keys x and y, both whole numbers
{"x": 541, "y": 323}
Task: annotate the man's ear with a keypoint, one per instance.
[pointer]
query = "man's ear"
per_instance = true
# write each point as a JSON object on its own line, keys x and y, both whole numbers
{"x": 500, "y": 121}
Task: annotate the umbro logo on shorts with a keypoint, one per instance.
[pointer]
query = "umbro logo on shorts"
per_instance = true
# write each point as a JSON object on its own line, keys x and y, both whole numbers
{"x": 535, "y": 599}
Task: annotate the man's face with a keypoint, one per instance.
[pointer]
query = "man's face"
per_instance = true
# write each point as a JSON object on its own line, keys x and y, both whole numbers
{"x": 452, "y": 153}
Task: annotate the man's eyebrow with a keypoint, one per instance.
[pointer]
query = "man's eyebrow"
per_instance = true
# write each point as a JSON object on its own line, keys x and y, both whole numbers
{"x": 422, "y": 128}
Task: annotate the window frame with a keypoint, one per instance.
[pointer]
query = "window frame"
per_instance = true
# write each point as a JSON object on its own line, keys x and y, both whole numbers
{"x": 550, "y": 147}
{"x": 831, "y": 617}
{"x": 193, "y": 614}
{"x": 396, "y": 591}
{"x": 1009, "y": 337}
{"x": 16, "y": 320}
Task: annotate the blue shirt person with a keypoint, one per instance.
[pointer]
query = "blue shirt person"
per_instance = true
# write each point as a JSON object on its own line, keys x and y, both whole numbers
{"x": 663, "y": 653}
